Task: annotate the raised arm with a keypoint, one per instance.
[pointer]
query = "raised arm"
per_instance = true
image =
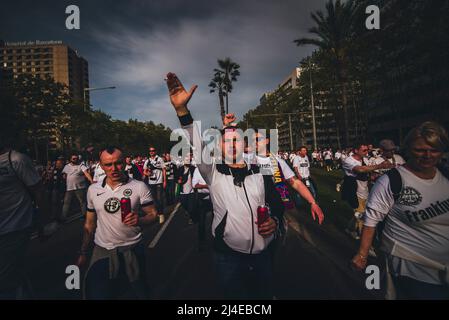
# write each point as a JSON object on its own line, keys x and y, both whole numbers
{"x": 179, "y": 99}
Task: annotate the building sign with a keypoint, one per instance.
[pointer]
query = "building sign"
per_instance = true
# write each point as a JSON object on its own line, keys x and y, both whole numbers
{"x": 33, "y": 43}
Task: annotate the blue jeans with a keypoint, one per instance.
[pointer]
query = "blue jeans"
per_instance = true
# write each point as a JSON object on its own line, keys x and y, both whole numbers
{"x": 100, "y": 287}
{"x": 298, "y": 198}
{"x": 245, "y": 276}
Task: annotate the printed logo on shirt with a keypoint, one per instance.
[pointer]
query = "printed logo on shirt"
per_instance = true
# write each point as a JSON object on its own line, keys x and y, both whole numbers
{"x": 127, "y": 192}
{"x": 410, "y": 197}
{"x": 112, "y": 205}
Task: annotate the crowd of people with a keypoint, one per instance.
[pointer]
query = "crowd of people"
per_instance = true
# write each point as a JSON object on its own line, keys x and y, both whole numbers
{"x": 402, "y": 203}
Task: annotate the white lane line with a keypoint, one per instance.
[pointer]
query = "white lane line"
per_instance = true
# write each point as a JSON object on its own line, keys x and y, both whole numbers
{"x": 161, "y": 231}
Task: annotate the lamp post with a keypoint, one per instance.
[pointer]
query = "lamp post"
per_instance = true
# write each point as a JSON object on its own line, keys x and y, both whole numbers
{"x": 313, "y": 107}
{"x": 289, "y": 114}
{"x": 93, "y": 89}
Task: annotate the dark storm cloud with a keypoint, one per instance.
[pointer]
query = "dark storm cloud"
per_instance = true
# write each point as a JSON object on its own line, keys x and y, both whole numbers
{"x": 132, "y": 44}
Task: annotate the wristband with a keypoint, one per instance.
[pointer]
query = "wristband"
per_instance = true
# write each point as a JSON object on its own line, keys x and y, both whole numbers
{"x": 186, "y": 119}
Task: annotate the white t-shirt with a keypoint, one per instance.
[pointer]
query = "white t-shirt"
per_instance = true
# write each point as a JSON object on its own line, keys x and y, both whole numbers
{"x": 314, "y": 155}
{"x": 128, "y": 169}
{"x": 327, "y": 155}
{"x": 187, "y": 187}
{"x": 303, "y": 166}
{"x": 362, "y": 186}
{"x": 99, "y": 173}
{"x": 156, "y": 176}
{"x": 266, "y": 167}
{"x": 16, "y": 210}
{"x": 292, "y": 157}
{"x": 249, "y": 158}
{"x": 419, "y": 220}
{"x": 111, "y": 232}
{"x": 337, "y": 155}
{"x": 198, "y": 179}
{"x": 75, "y": 176}
{"x": 398, "y": 160}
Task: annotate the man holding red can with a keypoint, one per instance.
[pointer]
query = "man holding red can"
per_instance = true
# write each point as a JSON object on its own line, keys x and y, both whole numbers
{"x": 113, "y": 227}
{"x": 242, "y": 244}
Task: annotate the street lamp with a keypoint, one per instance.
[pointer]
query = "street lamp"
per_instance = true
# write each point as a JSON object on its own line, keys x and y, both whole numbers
{"x": 312, "y": 107}
{"x": 93, "y": 89}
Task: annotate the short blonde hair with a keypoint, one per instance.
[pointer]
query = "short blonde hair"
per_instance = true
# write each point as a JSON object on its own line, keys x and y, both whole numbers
{"x": 432, "y": 133}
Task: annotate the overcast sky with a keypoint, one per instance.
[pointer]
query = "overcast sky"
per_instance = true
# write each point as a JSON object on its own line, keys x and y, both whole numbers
{"x": 132, "y": 44}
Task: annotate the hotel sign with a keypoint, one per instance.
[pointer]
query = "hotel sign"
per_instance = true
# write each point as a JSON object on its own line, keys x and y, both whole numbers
{"x": 33, "y": 43}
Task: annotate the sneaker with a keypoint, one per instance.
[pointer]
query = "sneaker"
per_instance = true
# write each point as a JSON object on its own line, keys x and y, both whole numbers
{"x": 161, "y": 219}
{"x": 338, "y": 187}
{"x": 372, "y": 253}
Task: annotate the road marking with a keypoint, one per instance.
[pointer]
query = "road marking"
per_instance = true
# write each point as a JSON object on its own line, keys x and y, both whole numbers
{"x": 161, "y": 231}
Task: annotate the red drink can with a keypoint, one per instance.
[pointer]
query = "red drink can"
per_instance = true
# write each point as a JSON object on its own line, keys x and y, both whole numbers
{"x": 125, "y": 206}
{"x": 263, "y": 214}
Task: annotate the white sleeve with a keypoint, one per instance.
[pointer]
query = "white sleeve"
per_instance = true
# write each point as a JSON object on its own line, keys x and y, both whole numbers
{"x": 296, "y": 162}
{"x": 380, "y": 202}
{"x": 145, "y": 165}
{"x": 205, "y": 166}
{"x": 288, "y": 173}
{"x": 83, "y": 168}
{"x": 25, "y": 169}
{"x": 348, "y": 165}
{"x": 65, "y": 169}
{"x": 197, "y": 178}
{"x": 90, "y": 203}
{"x": 399, "y": 160}
{"x": 146, "y": 198}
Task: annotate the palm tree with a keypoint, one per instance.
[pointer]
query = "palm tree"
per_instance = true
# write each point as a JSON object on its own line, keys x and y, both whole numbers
{"x": 222, "y": 81}
{"x": 335, "y": 33}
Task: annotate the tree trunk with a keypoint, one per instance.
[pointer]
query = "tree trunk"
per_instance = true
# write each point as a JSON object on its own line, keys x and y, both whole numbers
{"x": 222, "y": 109}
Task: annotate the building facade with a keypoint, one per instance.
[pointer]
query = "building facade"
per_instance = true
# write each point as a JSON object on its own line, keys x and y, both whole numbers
{"x": 47, "y": 58}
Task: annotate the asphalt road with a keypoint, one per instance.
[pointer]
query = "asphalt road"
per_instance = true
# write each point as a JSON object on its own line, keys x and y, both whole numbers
{"x": 311, "y": 264}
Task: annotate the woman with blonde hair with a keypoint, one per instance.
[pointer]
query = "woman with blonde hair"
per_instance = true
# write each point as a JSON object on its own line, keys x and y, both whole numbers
{"x": 414, "y": 202}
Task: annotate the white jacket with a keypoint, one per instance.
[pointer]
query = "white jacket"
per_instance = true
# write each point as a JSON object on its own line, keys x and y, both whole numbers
{"x": 235, "y": 208}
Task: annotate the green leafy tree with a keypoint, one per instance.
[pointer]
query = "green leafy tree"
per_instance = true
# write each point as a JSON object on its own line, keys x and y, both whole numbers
{"x": 335, "y": 31}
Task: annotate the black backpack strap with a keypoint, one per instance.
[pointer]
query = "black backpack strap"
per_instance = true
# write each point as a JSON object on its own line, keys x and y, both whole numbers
{"x": 444, "y": 171}
{"x": 395, "y": 182}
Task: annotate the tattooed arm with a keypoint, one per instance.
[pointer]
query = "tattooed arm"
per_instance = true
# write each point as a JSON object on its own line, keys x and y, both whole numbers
{"x": 88, "y": 237}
